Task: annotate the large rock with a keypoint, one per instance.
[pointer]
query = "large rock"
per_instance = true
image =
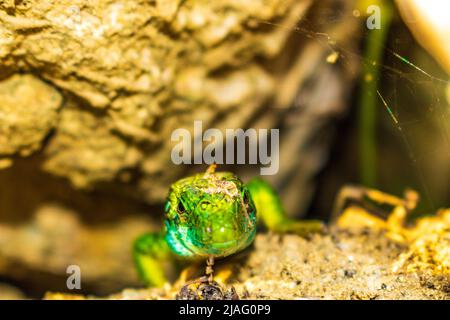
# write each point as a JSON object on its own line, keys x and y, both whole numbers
{"x": 28, "y": 111}
{"x": 133, "y": 71}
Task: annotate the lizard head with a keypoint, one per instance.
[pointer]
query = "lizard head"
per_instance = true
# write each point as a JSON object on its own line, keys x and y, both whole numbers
{"x": 209, "y": 214}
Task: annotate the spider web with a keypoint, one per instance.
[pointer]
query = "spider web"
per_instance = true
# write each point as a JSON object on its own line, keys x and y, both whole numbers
{"x": 413, "y": 110}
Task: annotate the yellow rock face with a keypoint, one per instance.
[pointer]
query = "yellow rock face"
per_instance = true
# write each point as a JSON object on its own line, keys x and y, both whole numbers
{"x": 28, "y": 111}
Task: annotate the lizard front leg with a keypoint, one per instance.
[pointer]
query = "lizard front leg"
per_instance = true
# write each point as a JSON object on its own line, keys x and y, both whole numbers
{"x": 151, "y": 255}
{"x": 270, "y": 210}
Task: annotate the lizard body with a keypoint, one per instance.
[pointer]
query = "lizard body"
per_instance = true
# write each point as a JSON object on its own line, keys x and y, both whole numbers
{"x": 212, "y": 215}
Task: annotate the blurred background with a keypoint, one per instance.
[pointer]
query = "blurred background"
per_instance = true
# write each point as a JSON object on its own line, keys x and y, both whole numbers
{"x": 90, "y": 93}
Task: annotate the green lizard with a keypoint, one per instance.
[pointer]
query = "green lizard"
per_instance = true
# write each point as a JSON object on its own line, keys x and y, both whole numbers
{"x": 211, "y": 215}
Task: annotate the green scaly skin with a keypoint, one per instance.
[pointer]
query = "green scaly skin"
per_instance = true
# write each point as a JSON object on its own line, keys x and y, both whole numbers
{"x": 212, "y": 215}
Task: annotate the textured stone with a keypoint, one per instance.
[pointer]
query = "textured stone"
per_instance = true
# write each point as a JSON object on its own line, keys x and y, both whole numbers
{"x": 28, "y": 111}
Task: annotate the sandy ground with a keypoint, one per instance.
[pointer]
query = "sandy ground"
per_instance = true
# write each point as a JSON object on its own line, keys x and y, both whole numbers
{"x": 339, "y": 265}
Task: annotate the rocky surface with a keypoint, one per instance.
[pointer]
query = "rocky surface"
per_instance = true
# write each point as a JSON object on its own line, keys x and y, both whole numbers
{"x": 38, "y": 254}
{"x": 28, "y": 112}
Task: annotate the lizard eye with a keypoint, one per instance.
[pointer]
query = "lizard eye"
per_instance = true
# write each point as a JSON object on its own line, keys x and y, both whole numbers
{"x": 246, "y": 201}
{"x": 181, "y": 209}
{"x": 246, "y": 198}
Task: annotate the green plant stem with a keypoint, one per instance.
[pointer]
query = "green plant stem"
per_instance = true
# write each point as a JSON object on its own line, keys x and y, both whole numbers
{"x": 368, "y": 99}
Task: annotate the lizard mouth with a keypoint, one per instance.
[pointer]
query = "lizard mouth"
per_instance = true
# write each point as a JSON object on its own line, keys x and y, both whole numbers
{"x": 206, "y": 248}
{"x": 222, "y": 248}
{"x": 204, "y": 244}
{"x": 225, "y": 243}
